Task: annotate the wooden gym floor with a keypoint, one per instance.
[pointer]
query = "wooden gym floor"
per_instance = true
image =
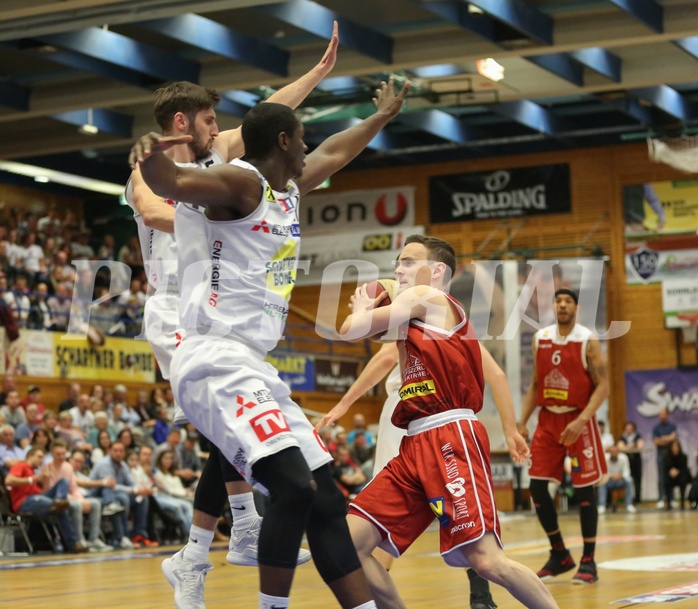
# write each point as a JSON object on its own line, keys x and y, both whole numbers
{"x": 649, "y": 552}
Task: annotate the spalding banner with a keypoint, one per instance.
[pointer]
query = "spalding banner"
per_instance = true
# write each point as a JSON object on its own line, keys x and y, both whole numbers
{"x": 502, "y": 193}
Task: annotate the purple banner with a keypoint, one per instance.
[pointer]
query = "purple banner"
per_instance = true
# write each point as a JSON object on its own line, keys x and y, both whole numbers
{"x": 646, "y": 393}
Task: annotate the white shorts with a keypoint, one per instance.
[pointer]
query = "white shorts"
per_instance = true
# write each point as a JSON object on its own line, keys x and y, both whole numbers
{"x": 389, "y": 436}
{"x": 161, "y": 318}
{"x": 238, "y": 401}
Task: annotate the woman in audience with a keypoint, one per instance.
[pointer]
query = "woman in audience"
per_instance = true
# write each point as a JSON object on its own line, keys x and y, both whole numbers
{"x": 677, "y": 473}
{"x": 101, "y": 449}
{"x": 171, "y": 492}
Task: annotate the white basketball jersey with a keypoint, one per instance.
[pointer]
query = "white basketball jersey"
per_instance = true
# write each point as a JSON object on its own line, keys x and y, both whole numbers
{"x": 236, "y": 277}
{"x": 158, "y": 248}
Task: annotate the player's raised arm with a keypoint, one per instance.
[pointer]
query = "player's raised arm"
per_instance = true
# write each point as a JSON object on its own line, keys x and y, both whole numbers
{"x": 229, "y": 143}
{"x": 338, "y": 150}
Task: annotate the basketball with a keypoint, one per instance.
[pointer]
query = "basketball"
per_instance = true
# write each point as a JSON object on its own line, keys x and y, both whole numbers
{"x": 376, "y": 288}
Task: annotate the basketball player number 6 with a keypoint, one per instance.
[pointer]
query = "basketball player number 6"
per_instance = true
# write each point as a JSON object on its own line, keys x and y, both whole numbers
{"x": 556, "y": 358}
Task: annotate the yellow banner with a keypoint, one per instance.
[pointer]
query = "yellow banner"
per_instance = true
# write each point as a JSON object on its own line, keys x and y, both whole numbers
{"x": 53, "y": 354}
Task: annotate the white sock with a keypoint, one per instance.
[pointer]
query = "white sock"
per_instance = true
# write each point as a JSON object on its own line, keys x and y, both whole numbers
{"x": 198, "y": 545}
{"x": 267, "y": 602}
{"x": 368, "y": 605}
{"x": 244, "y": 511}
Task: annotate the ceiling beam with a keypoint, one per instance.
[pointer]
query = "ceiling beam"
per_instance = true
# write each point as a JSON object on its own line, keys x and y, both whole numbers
{"x": 206, "y": 34}
{"x": 520, "y": 16}
{"x": 107, "y": 121}
{"x": 649, "y": 12}
{"x": 690, "y": 45}
{"x": 439, "y": 123}
{"x": 562, "y": 65}
{"x": 119, "y": 50}
{"x": 320, "y": 131}
{"x": 669, "y": 100}
{"x": 531, "y": 115}
{"x": 600, "y": 60}
{"x": 316, "y": 19}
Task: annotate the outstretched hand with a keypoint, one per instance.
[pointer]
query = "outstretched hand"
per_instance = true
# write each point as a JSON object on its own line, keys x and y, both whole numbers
{"x": 152, "y": 143}
{"x": 328, "y": 60}
{"x": 387, "y": 101}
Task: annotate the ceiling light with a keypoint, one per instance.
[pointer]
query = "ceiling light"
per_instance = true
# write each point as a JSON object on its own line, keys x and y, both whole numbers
{"x": 489, "y": 68}
{"x": 41, "y": 179}
{"x": 68, "y": 179}
{"x": 89, "y": 128}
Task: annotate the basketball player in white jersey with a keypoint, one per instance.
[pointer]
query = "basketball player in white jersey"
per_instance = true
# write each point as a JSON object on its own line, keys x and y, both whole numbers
{"x": 185, "y": 108}
{"x": 237, "y": 267}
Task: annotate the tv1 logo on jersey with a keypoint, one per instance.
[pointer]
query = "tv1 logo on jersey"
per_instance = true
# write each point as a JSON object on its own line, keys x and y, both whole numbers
{"x": 269, "y": 424}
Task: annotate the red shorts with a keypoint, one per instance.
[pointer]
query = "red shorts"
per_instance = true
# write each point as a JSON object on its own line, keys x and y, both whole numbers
{"x": 443, "y": 472}
{"x": 548, "y": 454}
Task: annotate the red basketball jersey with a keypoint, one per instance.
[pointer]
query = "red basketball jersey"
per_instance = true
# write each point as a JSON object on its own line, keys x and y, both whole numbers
{"x": 442, "y": 370}
{"x": 563, "y": 377}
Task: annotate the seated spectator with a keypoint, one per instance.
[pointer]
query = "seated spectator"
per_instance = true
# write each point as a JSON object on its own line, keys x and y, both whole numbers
{"x": 80, "y": 505}
{"x": 169, "y": 403}
{"x": 362, "y": 453}
{"x": 360, "y": 427}
{"x": 10, "y": 453}
{"x": 348, "y": 476}
{"x": 101, "y": 424}
{"x": 171, "y": 492}
{"x": 71, "y": 399}
{"x": 132, "y": 302}
{"x": 127, "y": 438}
{"x": 60, "y": 305}
{"x": 81, "y": 247}
{"x": 42, "y": 439}
{"x": 12, "y": 409}
{"x": 618, "y": 478}
{"x": 83, "y": 417}
{"x": 161, "y": 429}
{"x": 130, "y": 496}
{"x": 631, "y": 443}
{"x": 107, "y": 251}
{"x": 174, "y": 439}
{"x": 34, "y": 397}
{"x": 9, "y": 383}
{"x": 142, "y": 408}
{"x": 677, "y": 474}
{"x": 187, "y": 457}
{"x": 116, "y": 424}
{"x": 130, "y": 254}
{"x": 33, "y": 259}
{"x": 104, "y": 442}
{"x": 73, "y": 437}
{"x": 25, "y": 430}
{"x": 62, "y": 272}
{"x": 39, "y": 312}
{"x": 30, "y": 492}
{"x": 18, "y": 300}
{"x": 52, "y": 218}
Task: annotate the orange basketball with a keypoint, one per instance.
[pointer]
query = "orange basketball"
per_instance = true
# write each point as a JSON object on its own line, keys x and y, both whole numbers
{"x": 376, "y": 288}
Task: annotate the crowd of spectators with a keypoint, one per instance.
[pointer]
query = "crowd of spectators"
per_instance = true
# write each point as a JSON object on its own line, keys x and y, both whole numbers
{"x": 99, "y": 459}
{"x": 41, "y": 286}
{"x": 353, "y": 453}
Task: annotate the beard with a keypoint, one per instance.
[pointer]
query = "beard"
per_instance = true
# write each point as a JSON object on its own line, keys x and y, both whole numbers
{"x": 199, "y": 146}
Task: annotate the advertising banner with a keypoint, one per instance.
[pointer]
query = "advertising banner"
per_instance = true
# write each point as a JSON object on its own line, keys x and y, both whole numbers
{"x": 380, "y": 248}
{"x": 679, "y": 296}
{"x": 335, "y": 376}
{"x": 357, "y": 210}
{"x": 646, "y": 393}
{"x": 297, "y": 371}
{"x": 660, "y": 208}
{"x": 645, "y": 264}
{"x": 52, "y": 354}
{"x": 504, "y": 193}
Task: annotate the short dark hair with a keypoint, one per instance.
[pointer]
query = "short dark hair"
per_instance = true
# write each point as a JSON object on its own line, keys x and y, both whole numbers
{"x": 437, "y": 249}
{"x": 184, "y": 97}
{"x": 263, "y": 124}
{"x": 567, "y": 292}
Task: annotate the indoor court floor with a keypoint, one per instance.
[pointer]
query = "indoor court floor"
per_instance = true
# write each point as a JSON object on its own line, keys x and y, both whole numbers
{"x": 644, "y": 559}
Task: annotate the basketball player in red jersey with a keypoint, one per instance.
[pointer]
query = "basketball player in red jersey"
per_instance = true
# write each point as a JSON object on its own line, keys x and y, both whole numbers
{"x": 570, "y": 383}
{"x": 443, "y": 467}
